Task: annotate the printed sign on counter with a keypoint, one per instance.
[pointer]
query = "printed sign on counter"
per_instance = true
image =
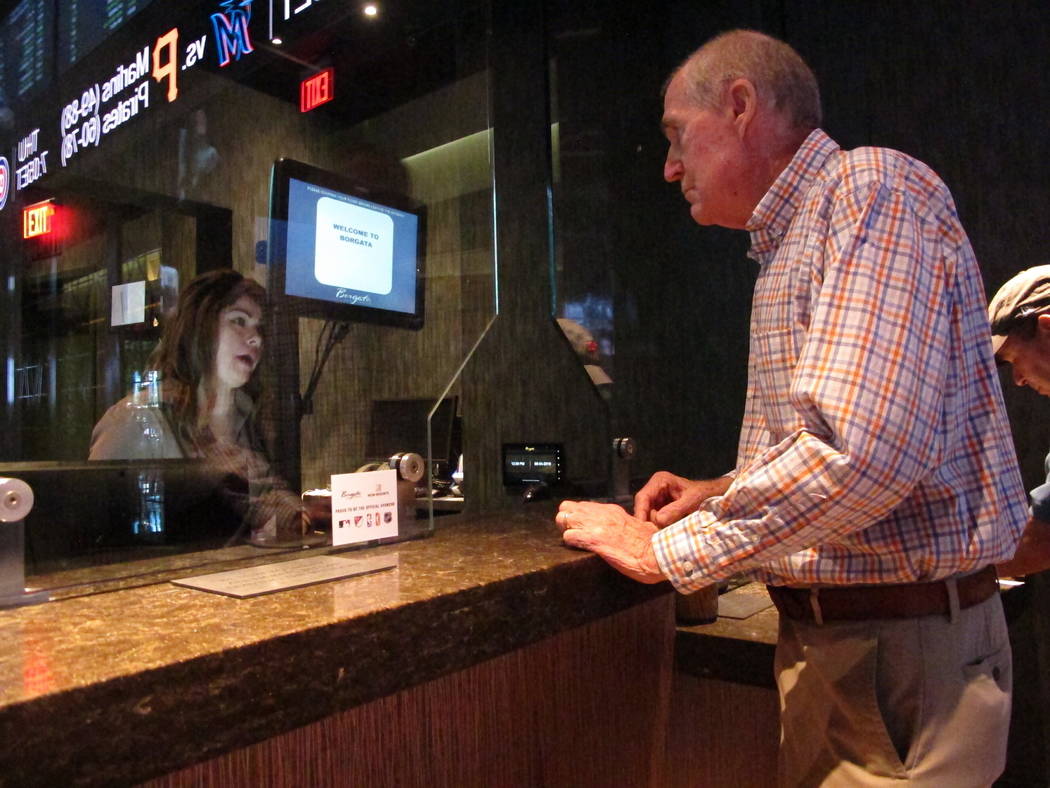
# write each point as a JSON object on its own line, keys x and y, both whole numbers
{"x": 364, "y": 506}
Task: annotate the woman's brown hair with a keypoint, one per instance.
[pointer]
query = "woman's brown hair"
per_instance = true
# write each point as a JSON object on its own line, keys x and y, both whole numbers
{"x": 185, "y": 357}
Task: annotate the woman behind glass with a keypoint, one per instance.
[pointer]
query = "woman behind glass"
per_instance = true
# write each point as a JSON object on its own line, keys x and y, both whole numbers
{"x": 205, "y": 407}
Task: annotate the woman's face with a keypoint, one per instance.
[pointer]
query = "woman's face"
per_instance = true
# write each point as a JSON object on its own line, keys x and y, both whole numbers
{"x": 239, "y": 343}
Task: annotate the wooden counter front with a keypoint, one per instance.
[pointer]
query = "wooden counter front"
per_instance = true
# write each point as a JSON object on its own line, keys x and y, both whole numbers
{"x": 491, "y": 655}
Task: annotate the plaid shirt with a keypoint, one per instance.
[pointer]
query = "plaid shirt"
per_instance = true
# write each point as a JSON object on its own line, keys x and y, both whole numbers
{"x": 875, "y": 446}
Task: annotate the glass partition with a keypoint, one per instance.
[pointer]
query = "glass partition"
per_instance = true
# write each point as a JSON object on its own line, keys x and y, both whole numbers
{"x": 244, "y": 247}
{"x": 665, "y": 300}
{"x": 583, "y": 272}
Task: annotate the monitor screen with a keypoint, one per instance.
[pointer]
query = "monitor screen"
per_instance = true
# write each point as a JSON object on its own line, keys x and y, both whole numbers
{"x": 342, "y": 252}
{"x": 401, "y": 425}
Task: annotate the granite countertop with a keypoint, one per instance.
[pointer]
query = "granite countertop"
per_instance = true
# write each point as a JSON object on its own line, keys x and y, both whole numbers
{"x": 739, "y": 650}
{"x": 130, "y": 684}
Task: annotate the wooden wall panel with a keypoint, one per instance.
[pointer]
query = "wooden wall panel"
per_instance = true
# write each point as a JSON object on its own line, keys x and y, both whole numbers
{"x": 721, "y": 735}
{"x": 584, "y": 708}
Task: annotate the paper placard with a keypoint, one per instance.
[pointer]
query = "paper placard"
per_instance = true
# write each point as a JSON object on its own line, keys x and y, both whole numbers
{"x": 740, "y": 603}
{"x": 268, "y": 578}
{"x": 129, "y": 304}
{"x": 364, "y": 506}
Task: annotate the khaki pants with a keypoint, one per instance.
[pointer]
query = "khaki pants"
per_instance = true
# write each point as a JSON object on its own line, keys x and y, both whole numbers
{"x": 920, "y": 701}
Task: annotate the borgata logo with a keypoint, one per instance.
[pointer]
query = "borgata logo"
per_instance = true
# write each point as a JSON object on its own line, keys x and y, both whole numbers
{"x": 5, "y": 181}
{"x": 231, "y": 30}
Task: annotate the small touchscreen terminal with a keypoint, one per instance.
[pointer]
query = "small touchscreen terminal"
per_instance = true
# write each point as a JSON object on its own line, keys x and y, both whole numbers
{"x": 532, "y": 463}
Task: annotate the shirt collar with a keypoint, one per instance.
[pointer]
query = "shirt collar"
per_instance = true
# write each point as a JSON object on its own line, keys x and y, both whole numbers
{"x": 774, "y": 212}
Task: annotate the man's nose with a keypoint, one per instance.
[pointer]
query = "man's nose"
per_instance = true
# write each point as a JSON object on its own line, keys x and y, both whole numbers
{"x": 1019, "y": 378}
{"x": 672, "y": 168}
{"x": 254, "y": 337}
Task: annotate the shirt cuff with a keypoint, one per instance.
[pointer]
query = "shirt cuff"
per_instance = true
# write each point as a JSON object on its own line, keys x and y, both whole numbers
{"x": 678, "y": 549}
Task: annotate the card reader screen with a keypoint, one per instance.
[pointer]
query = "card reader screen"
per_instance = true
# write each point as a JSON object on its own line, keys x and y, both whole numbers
{"x": 531, "y": 463}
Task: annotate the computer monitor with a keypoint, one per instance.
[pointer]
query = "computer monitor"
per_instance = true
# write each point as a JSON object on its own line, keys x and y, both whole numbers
{"x": 340, "y": 251}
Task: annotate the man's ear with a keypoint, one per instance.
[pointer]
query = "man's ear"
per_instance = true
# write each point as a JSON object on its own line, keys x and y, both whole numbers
{"x": 742, "y": 99}
{"x": 1042, "y": 324}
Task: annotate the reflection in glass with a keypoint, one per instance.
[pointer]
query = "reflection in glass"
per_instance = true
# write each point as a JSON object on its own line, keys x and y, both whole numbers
{"x": 200, "y": 402}
{"x": 181, "y": 187}
{"x": 589, "y": 353}
{"x": 145, "y": 403}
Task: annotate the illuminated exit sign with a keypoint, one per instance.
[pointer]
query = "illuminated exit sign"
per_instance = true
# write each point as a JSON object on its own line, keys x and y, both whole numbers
{"x": 317, "y": 90}
{"x": 36, "y": 219}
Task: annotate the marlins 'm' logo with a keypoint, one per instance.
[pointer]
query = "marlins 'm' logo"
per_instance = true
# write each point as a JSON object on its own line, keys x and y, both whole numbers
{"x": 231, "y": 30}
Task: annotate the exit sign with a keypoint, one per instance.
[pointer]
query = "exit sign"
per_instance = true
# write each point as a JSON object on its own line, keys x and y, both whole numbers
{"x": 317, "y": 90}
{"x": 36, "y": 219}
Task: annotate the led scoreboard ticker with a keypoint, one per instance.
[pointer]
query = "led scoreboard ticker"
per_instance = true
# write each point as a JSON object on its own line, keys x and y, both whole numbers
{"x": 142, "y": 79}
{"x": 107, "y": 105}
{"x": 148, "y": 76}
{"x": 26, "y": 40}
{"x": 286, "y": 14}
{"x": 84, "y": 24}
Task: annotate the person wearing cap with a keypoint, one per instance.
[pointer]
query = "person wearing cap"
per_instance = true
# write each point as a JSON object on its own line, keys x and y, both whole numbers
{"x": 1019, "y": 314}
{"x": 876, "y": 484}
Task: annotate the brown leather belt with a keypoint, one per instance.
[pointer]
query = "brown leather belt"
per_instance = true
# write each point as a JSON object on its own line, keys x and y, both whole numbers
{"x": 905, "y": 600}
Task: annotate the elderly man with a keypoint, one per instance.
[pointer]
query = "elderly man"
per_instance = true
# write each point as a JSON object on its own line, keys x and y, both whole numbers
{"x": 875, "y": 483}
{"x": 1020, "y": 317}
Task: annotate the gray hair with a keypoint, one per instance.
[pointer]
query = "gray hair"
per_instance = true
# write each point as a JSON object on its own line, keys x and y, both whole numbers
{"x": 778, "y": 72}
